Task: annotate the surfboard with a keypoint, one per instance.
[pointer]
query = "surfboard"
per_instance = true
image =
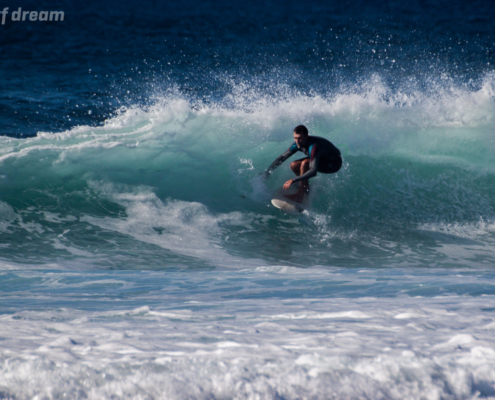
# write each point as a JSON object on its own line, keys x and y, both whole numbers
{"x": 283, "y": 203}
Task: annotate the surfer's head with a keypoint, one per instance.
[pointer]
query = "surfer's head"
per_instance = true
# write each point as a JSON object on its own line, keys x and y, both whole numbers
{"x": 300, "y": 135}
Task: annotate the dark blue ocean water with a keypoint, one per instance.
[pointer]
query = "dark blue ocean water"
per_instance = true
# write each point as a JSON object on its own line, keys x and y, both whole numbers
{"x": 120, "y": 53}
{"x": 140, "y": 256}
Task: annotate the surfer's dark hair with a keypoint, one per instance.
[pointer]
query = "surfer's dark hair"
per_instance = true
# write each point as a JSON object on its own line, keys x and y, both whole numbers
{"x": 301, "y": 130}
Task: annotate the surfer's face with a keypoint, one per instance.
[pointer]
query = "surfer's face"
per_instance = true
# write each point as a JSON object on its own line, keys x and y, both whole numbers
{"x": 300, "y": 140}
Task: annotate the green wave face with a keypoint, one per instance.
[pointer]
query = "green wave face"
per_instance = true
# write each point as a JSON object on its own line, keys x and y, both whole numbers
{"x": 178, "y": 183}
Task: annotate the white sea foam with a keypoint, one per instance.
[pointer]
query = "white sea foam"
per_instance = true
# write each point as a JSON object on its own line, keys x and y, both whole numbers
{"x": 245, "y": 350}
{"x": 186, "y": 228}
{"x": 370, "y": 117}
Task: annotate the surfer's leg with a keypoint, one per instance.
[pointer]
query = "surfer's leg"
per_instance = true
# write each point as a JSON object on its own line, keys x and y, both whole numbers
{"x": 295, "y": 166}
{"x": 300, "y": 167}
{"x": 304, "y": 185}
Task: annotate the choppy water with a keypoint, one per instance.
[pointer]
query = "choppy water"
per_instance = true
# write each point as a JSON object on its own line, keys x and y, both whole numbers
{"x": 140, "y": 256}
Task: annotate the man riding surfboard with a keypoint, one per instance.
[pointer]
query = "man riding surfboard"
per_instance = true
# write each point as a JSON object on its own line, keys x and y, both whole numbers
{"x": 322, "y": 156}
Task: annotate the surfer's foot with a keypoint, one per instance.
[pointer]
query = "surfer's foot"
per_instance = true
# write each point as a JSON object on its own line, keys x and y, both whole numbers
{"x": 296, "y": 197}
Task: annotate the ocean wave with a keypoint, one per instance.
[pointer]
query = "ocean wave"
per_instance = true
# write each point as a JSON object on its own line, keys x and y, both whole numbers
{"x": 411, "y": 159}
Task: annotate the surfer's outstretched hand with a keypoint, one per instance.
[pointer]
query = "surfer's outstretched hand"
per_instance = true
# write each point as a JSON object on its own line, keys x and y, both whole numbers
{"x": 288, "y": 184}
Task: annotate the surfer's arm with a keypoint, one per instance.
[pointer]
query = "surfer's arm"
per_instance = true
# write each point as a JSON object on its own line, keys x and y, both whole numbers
{"x": 279, "y": 160}
{"x": 313, "y": 169}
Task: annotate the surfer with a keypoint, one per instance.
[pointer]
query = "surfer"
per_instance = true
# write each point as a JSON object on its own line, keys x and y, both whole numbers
{"x": 322, "y": 156}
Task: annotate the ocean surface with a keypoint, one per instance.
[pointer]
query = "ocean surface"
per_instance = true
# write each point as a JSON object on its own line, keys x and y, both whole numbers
{"x": 140, "y": 257}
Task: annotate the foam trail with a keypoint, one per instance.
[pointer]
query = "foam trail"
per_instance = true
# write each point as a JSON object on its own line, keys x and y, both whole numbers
{"x": 256, "y": 344}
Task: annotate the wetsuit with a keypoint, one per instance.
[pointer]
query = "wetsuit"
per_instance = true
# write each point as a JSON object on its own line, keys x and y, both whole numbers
{"x": 323, "y": 157}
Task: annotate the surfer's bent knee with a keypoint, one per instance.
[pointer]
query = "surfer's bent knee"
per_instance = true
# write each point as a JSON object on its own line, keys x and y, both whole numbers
{"x": 295, "y": 165}
{"x": 305, "y": 164}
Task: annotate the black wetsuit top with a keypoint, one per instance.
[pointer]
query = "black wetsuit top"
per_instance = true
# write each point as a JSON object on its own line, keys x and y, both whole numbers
{"x": 320, "y": 151}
